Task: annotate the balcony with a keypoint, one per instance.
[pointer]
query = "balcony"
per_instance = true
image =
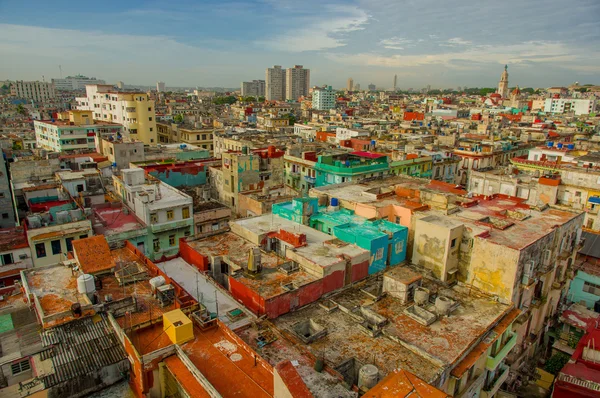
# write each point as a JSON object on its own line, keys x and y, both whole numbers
{"x": 492, "y": 362}
{"x": 310, "y": 180}
{"x": 473, "y": 387}
{"x": 171, "y": 225}
{"x": 494, "y": 386}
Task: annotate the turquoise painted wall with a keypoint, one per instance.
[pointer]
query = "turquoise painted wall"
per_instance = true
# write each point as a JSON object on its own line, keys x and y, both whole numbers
{"x": 178, "y": 179}
{"x": 576, "y": 293}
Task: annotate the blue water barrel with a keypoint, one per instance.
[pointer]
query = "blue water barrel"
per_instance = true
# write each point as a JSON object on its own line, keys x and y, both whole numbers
{"x": 559, "y": 145}
{"x": 550, "y": 144}
{"x": 571, "y": 146}
{"x": 334, "y": 201}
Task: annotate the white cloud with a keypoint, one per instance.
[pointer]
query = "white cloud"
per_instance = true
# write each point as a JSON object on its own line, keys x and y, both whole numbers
{"x": 456, "y": 42}
{"x": 396, "y": 43}
{"x": 319, "y": 32}
{"x": 475, "y": 56}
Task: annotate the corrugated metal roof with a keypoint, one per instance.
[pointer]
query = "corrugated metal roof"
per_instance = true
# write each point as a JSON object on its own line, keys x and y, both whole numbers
{"x": 80, "y": 347}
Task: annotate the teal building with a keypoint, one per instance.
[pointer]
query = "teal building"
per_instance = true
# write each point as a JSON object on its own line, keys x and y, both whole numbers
{"x": 339, "y": 168}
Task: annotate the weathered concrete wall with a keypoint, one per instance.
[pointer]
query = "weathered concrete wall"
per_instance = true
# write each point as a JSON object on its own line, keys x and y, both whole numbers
{"x": 493, "y": 268}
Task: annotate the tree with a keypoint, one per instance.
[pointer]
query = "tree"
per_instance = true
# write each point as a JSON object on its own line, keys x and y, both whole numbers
{"x": 21, "y": 109}
{"x": 225, "y": 100}
{"x": 556, "y": 363}
{"x": 178, "y": 118}
{"x": 261, "y": 99}
{"x": 291, "y": 118}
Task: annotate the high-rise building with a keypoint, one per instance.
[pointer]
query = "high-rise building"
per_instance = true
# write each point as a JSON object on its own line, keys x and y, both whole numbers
{"x": 357, "y": 87}
{"x": 160, "y": 87}
{"x": 350, "y": 85}
{"x": 255, "y": 88}
{"x": 297, "y": 82}
{"x": 77, "y": 82}
{"x": 395, "y": 82}
{"x": 503, "y": 84}
{"x": 275, "y": 83}
{"x": 323, "y": 98}
{"x": 133, "y": 109}
{"x": 37, "y": 91}
{"x": 372, "y": 87}
{"x": 120, "y": 85}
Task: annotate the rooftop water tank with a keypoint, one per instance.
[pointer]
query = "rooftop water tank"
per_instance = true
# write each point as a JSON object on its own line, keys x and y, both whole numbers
{"x": 157, "y": 282}
{"x": 559, "y": 145}
{"x": 368, "y": 376}
{"x": 85, "y": 284}
{"x": 334, "y": 201}
{"x": 550, "y": 144}
{"x": 571, "y": 146}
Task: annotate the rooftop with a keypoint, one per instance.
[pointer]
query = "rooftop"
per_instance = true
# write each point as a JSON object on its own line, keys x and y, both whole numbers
{"x": 93, "y": 254}
{"x": 403, "y": 384}
{"x": 12, "y": 238}
{"x": 116, "y": 220}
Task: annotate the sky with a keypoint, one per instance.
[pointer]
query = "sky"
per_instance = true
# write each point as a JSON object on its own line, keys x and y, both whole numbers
{"x": 442, "y": 43}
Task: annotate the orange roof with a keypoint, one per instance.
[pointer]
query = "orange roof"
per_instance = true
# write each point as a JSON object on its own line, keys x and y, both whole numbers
{"x": 185, "y": 377}
{"x": 93, "y": 254}
{"x": 292, "y": 380}
{"x": 401, "y": 383}
{"x": 55, "y": 234}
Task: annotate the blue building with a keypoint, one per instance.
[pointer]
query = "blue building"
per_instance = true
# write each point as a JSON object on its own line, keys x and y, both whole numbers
{"x": 585, "y": 286}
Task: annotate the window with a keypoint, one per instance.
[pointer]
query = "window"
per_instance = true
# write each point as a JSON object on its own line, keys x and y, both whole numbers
{"x": 156, "y": 245}
{"x": 69, "y": 242}
{"x": 82, "y": 236}
{"x": 453, "y": 243}
{"x": 379, "y": 254}
{"x": 185, "y": 212}
{"x": 591, "y": 288}
{"x": 56, "y": 249}
{"x": 149, "y": 109}
{"x": 399, "y": 246}
{"x": 150, "y": 129}
{"x": 171, "y": 240}
{"x": 20, "y": 367}
{"x": 153, "y": 218}
{"x": 187, "y": 232}
{"x": 5, "y": 215}
{"x": 169, "y": 214}
{"x": 150, "y": 119}
{"x": 40, "y": 250}
{"x": 7, "y": 259}
{"x": 1, "y": 194}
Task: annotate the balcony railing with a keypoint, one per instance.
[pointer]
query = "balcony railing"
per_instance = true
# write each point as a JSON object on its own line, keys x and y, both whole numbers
{"x": 494, "y": 386}
{"x": 310, "y": 180}
{"x": 473, "y": 387}
{"x": 494, "y": 360}
{"x": 171, "y": 225}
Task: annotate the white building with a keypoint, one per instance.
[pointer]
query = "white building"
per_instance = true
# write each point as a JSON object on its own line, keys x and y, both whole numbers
{"x": 160, "y": 87}
{"x": 37, "y": 91}
{"x": 323, "y": 98}
{"x": 255, "y": 88}
{"x": 342, "y": 133}
{"x": 297, "y": 82}
{"x": 567, "y": 105}
{"x": 350, "y": 85}
{"x": 307, "y": 133}
{"x": 134, "y": 110}
{"x": 78, "y": 82}
{"x": 275, "y": 83}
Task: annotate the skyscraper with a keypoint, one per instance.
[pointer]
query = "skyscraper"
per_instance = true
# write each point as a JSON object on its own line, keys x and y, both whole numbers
{"x": 323, "y": 98}
{"x": 372, "y": 87}
{"x": 395, "y": 82}
{"x": 275, "y": 83}
{"x": 255, "y": 88}
{"x": 297, "y": 82}
{"x": 350, "y": 85}
{"x": 160, "y": 87}
{"x": 503, "y": 84}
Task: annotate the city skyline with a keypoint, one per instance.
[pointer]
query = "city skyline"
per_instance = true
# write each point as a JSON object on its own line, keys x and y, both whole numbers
{"x": 369, "y": 40}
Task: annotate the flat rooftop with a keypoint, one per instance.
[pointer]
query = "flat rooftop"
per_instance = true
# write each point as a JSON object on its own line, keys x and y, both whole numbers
{"x": 433, "y": 348}
{"x": 205, "y": 291}
{"x": 114, "y": 221}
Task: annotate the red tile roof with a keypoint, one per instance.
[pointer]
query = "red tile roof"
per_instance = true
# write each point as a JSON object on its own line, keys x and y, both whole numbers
{"x": 400, "y": 384}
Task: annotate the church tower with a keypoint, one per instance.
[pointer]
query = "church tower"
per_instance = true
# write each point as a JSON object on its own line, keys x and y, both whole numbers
{"x": 503, "y": 85}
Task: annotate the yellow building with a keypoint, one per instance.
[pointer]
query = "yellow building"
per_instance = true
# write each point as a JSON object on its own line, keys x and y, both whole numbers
{"x": 134, "y": 110}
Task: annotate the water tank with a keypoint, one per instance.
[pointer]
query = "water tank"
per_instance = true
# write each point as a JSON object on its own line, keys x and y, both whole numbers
{"x": 421, "y": 296}
{"x": 335, "y": 202}
{"x": 571, "y": 146}
{"x": 442, "y": 305}
{"x": 86, "y": 284}
{"x": 368, "y": 376}
{"x": 76, "y": 214}
{"x": 550, "y": 144}
{"x": 373, "y": 142}
{"x": 157, "y": 282}
{"x": 559, "y": 145}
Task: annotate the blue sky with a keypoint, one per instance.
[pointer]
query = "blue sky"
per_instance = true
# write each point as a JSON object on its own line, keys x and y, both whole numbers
{"x": 444, "y": 43}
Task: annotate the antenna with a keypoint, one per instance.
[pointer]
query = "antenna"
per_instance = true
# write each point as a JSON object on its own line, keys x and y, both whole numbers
{"x": 60, "y": 70}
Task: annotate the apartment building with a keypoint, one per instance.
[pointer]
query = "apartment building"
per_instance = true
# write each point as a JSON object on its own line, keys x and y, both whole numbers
{"x": 167, "y": 212}
{"x": 568, "y": 105}
{"x": 255, "y": 88}
{"x": 187, "y": 134}
{"x": 74, "y": 131}
{"x": 74, "y": 83}
{"x": 134, "y": 110}
{"x": 297, "y": 83}
{"x": 121, "y": 153}
{"x": 33, "y": 90}
{"x": 323, "y": 98}
{"x": 275, "y": 84}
